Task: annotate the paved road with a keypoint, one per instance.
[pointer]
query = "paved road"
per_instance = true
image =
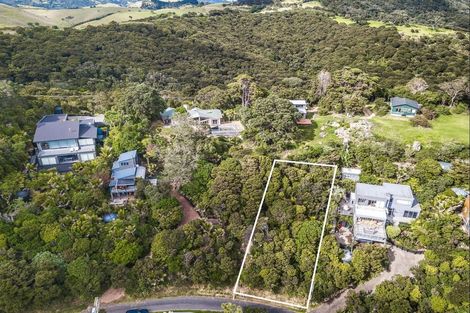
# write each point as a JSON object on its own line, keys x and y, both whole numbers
{"x": 401, "y": 264}
{"x": 185, "y": 303}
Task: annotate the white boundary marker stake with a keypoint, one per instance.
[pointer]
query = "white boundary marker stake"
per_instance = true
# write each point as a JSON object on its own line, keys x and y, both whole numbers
{"x": 248, "y": 248}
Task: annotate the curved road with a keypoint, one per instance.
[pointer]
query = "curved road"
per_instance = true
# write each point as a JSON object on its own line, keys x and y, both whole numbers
{"x": 185, "y": 303}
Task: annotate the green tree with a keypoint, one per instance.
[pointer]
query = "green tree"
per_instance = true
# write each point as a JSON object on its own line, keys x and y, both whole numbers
{"x": 271, "y": 122}
{"x": 125, "y": 252}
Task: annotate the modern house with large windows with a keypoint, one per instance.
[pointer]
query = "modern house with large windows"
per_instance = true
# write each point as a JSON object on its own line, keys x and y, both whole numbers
{"x": 125, "y": 172}
{"x": 62, "y": 140}
{"x": 374, "y": 206}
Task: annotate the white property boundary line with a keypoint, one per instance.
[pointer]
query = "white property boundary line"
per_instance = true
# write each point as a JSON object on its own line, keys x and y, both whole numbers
{"x": 248, "y": 248}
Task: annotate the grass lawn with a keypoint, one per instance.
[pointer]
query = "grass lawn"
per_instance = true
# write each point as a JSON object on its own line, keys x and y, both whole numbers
{"x": 422, "y": 30}
{"x": 311, "y": 134}
{"x": 444, "y": 129}
{"x": 343, "y": 20}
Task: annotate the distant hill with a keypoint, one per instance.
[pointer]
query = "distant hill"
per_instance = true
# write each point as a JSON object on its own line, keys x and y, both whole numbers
{"x": 64, "y": 4}
{"x": 70, "y": 4}
{"x": 441, "y": 13}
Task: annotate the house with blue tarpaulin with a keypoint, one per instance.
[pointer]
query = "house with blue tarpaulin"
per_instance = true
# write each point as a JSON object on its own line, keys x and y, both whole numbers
{"x": 125, "y": 173}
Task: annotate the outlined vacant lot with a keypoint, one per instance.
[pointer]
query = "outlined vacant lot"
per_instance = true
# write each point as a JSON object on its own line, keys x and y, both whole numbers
{"x": 282, "y": 254}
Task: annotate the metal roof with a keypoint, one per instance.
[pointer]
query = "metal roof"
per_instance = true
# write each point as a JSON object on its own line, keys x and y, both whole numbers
{"x": 298, "y": 102}
{"x": 350, "y": 170}
{"x": 127, "y": 155}
{"x": 60, "y": 127}
{"x": 384, "y": 191}
{"x": 200, "y": 113}
{"x": 397, "y": 101}
{"x": 57, "y": 130}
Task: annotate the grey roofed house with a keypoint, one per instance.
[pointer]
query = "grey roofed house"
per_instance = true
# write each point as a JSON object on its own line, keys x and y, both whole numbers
{"x": 62, "y": 140}
{"x": 205, "y": 114}
{"x": 211, "y": 117}
{"x": 375, "y": 205}
{"x": 51, "y": 128}
{"x": 301, "y": 106}
{"x": 124, "y": 174}
{"x": 398, "y": 101}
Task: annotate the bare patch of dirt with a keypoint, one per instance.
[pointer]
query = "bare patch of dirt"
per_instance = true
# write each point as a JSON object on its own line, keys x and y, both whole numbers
{"x": 112, "y": 295}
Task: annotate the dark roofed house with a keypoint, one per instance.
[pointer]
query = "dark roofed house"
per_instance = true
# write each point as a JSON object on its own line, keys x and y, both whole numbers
{"x": 125, "y": 172}
{"x": 403, "y": 107}
{"x": 62, "y": 140}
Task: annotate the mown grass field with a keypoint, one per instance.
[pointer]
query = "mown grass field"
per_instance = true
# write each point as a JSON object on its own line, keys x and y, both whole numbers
{"x": 411, "y": 31}
{"x": 444, "y": 129}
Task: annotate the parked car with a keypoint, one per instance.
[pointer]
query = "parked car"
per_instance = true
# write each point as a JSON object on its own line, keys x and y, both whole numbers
{"x": 138, "y": 311}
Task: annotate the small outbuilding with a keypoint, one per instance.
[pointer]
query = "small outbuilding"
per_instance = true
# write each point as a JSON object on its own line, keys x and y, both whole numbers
{"x": 403, "y": 107}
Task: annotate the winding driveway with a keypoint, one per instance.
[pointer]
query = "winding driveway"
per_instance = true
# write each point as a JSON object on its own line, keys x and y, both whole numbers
{"x": 185, "y": 303}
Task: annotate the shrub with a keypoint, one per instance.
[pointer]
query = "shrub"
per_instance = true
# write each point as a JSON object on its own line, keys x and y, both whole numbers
{"x": 420, "y": 120}
{"x": 442, "y": 110}
{"x": 393, "y": 231}
{"x": 428, "y": 113}
{"x": 459, "y": 108}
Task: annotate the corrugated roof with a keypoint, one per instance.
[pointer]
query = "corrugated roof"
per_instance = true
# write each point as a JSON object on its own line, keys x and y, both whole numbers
{"x": 298, "y": 102}
{"x": 124, "y": 173}
{"x": 384, "y": 191}
{"x": 127, "y": 155}
{"x": 349, "y": 170}
{"x": 200, "y": 113}
{"x": 397, "y": 101}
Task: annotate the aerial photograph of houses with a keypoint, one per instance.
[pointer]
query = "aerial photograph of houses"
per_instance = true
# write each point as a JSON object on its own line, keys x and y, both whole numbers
{"x": 245, "y": 156}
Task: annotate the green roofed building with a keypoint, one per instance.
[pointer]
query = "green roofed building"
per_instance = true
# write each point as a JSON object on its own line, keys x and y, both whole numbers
{"x": 403, "y": 107}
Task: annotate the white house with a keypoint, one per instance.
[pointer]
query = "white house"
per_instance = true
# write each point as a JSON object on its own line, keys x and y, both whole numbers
{"x": 375, "y": 206}
{"x": 301, "y": 106}
{"x": 212, "y": 117}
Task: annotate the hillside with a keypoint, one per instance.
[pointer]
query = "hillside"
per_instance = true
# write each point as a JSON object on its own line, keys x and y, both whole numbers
{"x": 12, "y": 16}
{"x": 441, "y": 13}
{"x": 198, "y": 51}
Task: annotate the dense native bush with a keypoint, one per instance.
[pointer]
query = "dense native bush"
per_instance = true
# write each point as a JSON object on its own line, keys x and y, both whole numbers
{"x": 451, "y": 14}
{"x": 191, "y": 53}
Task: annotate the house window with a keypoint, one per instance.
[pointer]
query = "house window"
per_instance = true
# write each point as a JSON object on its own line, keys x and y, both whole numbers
{"x": 68, "y": 158}
{"x": 87, "y": 156}
{"x": 410, "y": 214}
{"x": 124, "y": 163}
{"x": 59, "y": 144}
{"x": 86, "y": 142}
{"x": 48, "y": 161}
{"x": 214, "y": 122}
